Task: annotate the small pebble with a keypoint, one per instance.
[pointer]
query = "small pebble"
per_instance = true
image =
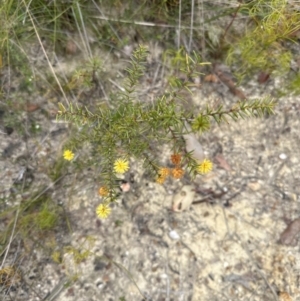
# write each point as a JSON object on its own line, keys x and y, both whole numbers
{"x": 174, "y": 235}
{"x": 125, "y": 187}
{"x": 164, "y": 276}
{"x": 283, "y": 156}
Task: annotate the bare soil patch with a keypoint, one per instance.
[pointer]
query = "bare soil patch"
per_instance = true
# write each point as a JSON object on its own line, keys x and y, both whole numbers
{"x": 227, "y": 247}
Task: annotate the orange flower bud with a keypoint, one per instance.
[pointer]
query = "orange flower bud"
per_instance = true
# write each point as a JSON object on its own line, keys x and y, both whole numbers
{"x": 177, "y": 172}
{"x": 175, "y": 159}
{"x": 103, "y": 191}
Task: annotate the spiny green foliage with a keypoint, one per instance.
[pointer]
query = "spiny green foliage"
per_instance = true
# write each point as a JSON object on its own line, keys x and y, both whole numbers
{"x": 85, "y": 77}
{"x": 130, "y": 127}
{"x": 262, "y": 46}
{"x": 243, "y": 109}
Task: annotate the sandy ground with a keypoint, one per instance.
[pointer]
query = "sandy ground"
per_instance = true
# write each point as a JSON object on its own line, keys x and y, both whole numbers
{"x": 226, "y": 247}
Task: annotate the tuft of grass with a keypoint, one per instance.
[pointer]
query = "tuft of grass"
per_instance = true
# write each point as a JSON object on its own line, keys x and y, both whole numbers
{"x": 35, "y": 217}
{"x": 57, "y": 170}
{"x": 38, "y": 216}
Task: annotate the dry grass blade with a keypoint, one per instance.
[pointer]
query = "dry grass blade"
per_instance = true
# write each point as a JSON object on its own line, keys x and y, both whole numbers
{"x": 45, "y": 53}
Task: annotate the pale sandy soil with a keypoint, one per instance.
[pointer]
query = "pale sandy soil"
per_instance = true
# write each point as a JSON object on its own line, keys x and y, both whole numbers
{"x": 226, "y": 248}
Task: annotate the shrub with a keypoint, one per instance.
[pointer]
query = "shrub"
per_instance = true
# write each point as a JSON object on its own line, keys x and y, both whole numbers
{"x": 130, "y": 128}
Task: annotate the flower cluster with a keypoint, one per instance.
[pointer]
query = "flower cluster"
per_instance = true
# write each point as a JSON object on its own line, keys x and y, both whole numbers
{"x": 177, "y": 172}
{"x": 103, "y": 210}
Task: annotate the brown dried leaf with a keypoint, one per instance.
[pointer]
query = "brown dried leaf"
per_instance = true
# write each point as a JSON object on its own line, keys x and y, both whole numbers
{"x": 284, "y": 296}
{"x": 71, "y": 47}
{"x": 263, "y": 77}
{"x": 288, "y": 236}
{"x": 31, "y": 107}
{"x": 225, "y": 79}
{"x": 239, "y": 93}
{"x": 222, "y": 162}
{"x": 211, "y": 78}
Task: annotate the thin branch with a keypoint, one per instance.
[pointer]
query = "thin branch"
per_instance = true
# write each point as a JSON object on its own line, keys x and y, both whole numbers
{"x": 230, "y": 23}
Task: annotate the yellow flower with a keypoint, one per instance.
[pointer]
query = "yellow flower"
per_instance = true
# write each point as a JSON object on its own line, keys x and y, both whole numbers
{"x": 121, "y": 165}
{"x": 205, "y": 166}
{"x": 68, "y": 155}
{"x": 160, "y": 180}
{"x": 103, "y": 191}
{"x": 164, "y": 172}
{"x": 177, "y": 172}
{"x": 103, "y": 211}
